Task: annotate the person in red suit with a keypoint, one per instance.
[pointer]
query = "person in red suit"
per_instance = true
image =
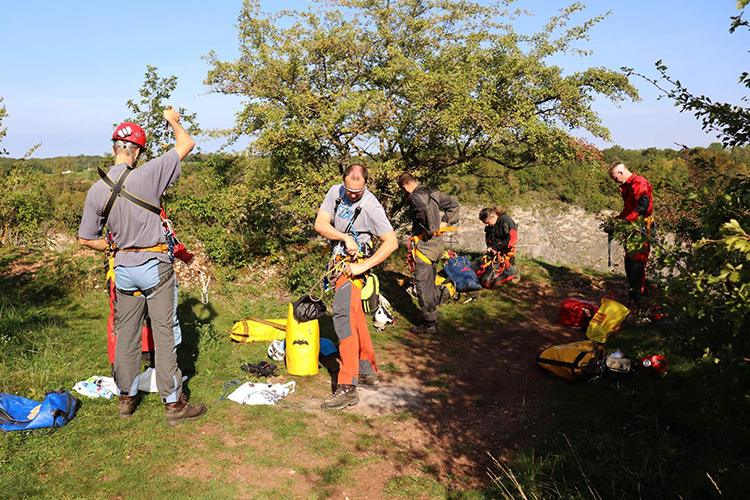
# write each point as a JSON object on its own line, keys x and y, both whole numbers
{"x": 638, "y": 198}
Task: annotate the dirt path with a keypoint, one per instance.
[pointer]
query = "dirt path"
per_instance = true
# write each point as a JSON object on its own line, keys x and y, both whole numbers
{"x": 469, "y": 391}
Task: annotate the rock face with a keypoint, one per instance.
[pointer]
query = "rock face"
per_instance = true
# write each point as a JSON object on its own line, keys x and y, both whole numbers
{"x": 564, "y": 235}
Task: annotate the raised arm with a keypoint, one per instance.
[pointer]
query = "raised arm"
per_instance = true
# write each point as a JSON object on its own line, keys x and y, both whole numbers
{"x": 183, "y": 143}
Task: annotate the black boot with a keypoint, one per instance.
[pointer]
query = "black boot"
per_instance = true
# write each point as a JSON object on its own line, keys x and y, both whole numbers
{"x": 428, "y": 327}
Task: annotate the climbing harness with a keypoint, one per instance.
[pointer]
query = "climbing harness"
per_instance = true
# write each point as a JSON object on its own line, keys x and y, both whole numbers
{"x": 413, "y": 253}
{"x": 118, "y": 190}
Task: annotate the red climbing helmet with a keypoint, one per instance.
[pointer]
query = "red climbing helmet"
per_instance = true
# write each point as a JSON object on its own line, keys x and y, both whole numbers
{"x": 656, "y": 363}
{"x": 130, "y": 132}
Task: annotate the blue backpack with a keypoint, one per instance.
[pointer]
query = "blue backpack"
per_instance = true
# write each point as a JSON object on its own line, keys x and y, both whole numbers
{"x": 21, "y": 414}
{"x": 460, "y": 272}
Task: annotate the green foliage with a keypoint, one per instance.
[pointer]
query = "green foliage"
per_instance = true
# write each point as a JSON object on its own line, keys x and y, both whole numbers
{"x": 3, "y": 131}
{"x": 304, "y": 268}
{"x": 708, "y": 281}
{"x": 421, "y": 85}
{"x": 149, "y": 113}
{"x": 25, "y": 204}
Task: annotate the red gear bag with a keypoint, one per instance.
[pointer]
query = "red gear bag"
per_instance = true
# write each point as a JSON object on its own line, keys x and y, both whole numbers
{"x": 576, "y": 312}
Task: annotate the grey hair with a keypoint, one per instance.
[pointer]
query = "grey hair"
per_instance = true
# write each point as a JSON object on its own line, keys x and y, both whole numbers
{"x": 131, "y": 147}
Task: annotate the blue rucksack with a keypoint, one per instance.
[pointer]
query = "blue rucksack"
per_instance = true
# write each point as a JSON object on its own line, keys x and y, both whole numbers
{"x": 21, "y": 414}
{"x": 460, "y": 272}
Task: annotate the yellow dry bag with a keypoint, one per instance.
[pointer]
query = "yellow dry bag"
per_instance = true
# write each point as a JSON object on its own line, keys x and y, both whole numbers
{"x": 302, "y": 345}
{"x": 254, "y": 330}
{"x": 606, "y": 320}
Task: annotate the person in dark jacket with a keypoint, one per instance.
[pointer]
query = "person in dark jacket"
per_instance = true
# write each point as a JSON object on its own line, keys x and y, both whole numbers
{"x": 638, "y": 199}
{"x": 427, "y": 243}
{"x": 498, "y": 265}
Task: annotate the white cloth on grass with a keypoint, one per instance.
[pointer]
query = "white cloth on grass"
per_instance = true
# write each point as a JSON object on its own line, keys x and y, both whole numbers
{"x": 251, "y": 393}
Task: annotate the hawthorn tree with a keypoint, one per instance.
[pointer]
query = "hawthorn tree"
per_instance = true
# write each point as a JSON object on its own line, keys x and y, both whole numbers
{"x": 149, "y": 113}
{"x": 409, "y": 84}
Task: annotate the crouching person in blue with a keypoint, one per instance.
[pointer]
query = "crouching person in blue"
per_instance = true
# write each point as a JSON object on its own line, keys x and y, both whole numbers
{"x": 126, "y": 199}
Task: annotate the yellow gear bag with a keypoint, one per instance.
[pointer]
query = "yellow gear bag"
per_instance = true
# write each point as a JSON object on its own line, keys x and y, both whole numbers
{"x": 574, "y": 361}
{"x": 446, "y": 289}
{"x": 606, "y": 320}
{"x": 248, "y": 330}
{"x": 302, "y": 345}
{"x": 370, "y": 293}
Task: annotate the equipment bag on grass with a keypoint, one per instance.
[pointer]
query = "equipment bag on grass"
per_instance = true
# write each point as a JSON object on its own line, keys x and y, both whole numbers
{"x": 606, "y": 320}
{"x": 258, "y": 330}
{"x": 459, "y": 270}
{"x": 575, "y": 361}
{"x": 21, "y": 414}
{"x": 496, "y": 269}
{"x": 576, "y": 312}
{"x": 446, "y": 289}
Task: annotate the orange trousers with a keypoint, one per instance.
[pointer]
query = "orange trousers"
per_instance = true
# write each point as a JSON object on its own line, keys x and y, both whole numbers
{"x": 350, "y": 323}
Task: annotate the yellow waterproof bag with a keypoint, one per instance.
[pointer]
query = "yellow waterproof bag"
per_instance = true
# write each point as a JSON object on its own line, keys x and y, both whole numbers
{"x": 302, "y": 345}
{"x": 255, "y": 330}
{"x": 575, "y": 361}
{"x": 606, "y": 320}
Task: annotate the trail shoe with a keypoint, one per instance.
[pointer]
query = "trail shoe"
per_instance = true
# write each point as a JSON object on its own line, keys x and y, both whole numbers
{"x": 182, "y": 411}
{"x": 126, "y": 406}
{"x": 345, "y": 395}
{"x": 429, "y": 327}
{"x": 369, "y": 382}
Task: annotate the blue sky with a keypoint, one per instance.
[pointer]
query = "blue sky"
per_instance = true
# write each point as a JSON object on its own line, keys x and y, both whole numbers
{"x": 68, "y": 68}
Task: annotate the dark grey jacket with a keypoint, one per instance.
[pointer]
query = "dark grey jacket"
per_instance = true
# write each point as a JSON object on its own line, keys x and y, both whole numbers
{"x": 424, "y": 212}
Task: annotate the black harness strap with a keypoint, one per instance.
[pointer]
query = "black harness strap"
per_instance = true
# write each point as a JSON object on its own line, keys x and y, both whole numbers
{"x": 351, "y": 221}
{"x": 119, "y": 190}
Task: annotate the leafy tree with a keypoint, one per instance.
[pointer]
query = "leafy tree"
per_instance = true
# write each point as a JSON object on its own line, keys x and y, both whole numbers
{"x": 149, "y": 113}
{"x": 3, "y": 131}
{"x": 411, "y": 84}
{"x": 709, "y": 283}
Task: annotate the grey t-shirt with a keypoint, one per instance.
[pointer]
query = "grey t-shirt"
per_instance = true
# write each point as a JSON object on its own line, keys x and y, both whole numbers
{"x": 131, "y": 225}
{"x": 370, "y": 222}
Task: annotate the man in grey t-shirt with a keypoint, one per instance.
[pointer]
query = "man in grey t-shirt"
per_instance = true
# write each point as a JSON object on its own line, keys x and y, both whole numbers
{"x": 126, "y": 199}
{"x": 349, "y": 217}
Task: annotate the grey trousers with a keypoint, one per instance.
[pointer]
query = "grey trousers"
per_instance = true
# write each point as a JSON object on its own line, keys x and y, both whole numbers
{"x": 427, "y": 292}
{"x": 130, "y": 311}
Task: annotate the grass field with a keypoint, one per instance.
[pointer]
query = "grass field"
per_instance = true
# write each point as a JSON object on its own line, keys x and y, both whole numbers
{"x": 681, "y": 435}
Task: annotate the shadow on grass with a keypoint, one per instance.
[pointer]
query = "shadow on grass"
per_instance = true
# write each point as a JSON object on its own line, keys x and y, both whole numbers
{"x": 196, "y": 331}
{"x": 679, "y": 435}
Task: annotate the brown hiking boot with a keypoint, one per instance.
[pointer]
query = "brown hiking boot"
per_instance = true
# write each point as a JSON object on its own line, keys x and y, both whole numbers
{"x": 345, "y": 395}
{"x": 126, "y": 406}
{"x": 182, "y": 411}
{"x": 369, "y": 382}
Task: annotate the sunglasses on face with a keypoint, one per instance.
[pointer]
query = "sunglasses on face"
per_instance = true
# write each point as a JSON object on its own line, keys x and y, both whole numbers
{"x": 355, "y": 191}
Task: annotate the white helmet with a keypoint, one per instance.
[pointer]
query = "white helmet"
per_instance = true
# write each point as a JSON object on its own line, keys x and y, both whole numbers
{"x": 277, "y": 350}
{"x": 382, "y": 318}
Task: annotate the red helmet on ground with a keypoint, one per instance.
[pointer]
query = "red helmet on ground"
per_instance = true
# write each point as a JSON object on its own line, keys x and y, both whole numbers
{"x": 130, "y": 132}
{"x": 656, "y": 363}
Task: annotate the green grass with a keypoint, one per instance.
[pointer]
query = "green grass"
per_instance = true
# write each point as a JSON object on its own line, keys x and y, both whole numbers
{"x": 668, "y": 436}
{"x": 649, "y": 437}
